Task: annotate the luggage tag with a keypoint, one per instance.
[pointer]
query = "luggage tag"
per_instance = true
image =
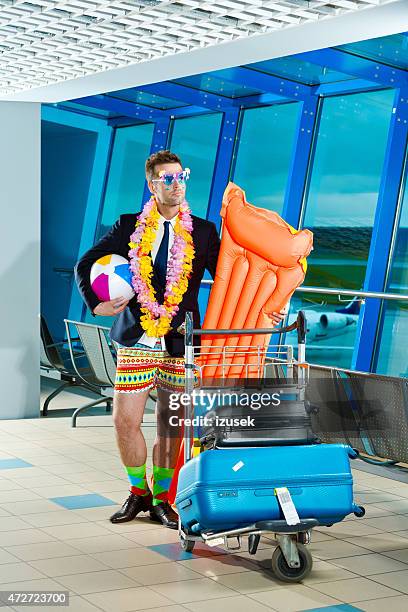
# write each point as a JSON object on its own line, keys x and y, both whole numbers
{"x": 287, "y": 505}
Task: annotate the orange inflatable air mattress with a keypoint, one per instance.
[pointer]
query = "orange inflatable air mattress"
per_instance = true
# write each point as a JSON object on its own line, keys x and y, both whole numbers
{"x": 261, "y": 262}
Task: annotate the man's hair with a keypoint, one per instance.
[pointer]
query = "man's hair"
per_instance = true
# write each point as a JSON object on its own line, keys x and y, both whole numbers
{"x": 161, "y": 157}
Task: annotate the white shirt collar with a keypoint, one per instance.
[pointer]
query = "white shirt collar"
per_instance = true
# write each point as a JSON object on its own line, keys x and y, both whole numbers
{"x": 163, "y": 219}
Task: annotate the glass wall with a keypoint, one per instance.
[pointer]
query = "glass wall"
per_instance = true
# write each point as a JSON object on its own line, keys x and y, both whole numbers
{"x": 392, "y": 347}
{"x": 195, "y": 140}
{"x": 398, "y": 278}
{"x": 339, "y": 206}
{"x": 126, "y": 179}
{"x": 125, "y": 184}
{"x": 264, "y": 153}
{"x": 340, "y": 210}
{"x": 344, "y": 186}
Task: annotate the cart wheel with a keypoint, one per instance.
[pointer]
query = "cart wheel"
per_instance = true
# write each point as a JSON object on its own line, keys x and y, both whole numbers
{"x": 292, "y": 574}
{"x": 187, "y": 545}
{"x": 304, "y": 537}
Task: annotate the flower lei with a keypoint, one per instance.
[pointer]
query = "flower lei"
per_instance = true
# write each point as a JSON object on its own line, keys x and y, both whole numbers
{"x": 156, "y": 318}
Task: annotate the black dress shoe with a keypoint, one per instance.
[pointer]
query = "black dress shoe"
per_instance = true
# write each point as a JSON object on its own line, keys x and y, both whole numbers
{"x": 163, "y": 513}
{"x": 131, "y": 508}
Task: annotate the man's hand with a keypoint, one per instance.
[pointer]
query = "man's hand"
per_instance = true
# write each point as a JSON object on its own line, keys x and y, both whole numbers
{"x": 182, "y": 329}
{"x": 277, "y": 317}
{"x": 111, "y": 308}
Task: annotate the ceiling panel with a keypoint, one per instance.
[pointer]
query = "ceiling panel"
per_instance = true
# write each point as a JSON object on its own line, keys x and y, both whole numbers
{"x": 300, "y": 71}
{"x": 215, "y": 85}
{"x": 43, "y": 42}
{"x": 147, "y": 99}
{"x": 391, "y": 50}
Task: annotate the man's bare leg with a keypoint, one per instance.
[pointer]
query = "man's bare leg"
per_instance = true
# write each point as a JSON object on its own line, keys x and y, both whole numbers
{"x": 128, "y": 409}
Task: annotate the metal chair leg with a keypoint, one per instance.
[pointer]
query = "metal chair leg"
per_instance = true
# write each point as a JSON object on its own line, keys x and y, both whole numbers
{"x": 44, "y": 411}
{"x": 386, "y": 462}
{"x": 78, "y": 410}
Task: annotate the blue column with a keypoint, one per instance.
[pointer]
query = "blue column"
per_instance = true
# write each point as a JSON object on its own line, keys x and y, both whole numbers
{"x": 159, "y": 141}
{"x": 302, "y": 159}
{"x": 93, "y": 206}
{"x": 381, "y": 241}
{"x": 223, "y": 163}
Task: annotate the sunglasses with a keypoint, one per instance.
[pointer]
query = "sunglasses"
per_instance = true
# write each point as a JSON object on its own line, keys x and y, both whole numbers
{"x": 168, "y": 179}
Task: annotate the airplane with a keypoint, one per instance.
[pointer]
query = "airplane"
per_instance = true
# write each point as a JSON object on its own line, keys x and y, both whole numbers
{"x": 324, "y": 325}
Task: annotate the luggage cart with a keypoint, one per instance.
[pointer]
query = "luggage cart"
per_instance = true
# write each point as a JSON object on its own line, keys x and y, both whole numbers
{"x": 291, "y": 560}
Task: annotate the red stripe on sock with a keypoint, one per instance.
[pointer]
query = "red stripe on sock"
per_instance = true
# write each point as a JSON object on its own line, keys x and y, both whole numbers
{"x": 162, "y": 496}
{"x": 137, "y": 491}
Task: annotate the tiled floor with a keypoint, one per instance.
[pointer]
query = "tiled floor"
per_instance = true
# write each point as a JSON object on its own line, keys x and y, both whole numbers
{"x": 58, "y": 486}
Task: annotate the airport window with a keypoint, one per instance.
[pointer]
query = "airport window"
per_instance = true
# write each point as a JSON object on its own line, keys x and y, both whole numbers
{"x": 341, "y": 204}
{"x": 195, "y": 140}
{"x": 264, "y": 153}
{"x": 344, "y": 186}
{"x": 392, "y": 348}
{"x": 125, "y": 185}
{"x": 398, "y": 278}
{"x": 331, "y": 328}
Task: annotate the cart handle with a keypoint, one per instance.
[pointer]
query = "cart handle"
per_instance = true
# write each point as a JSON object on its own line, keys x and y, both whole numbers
{"x": 299, "y": 324}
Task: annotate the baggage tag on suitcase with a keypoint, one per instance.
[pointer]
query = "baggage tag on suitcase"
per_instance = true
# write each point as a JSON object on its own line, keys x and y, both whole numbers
{"x": 287, "y": 505}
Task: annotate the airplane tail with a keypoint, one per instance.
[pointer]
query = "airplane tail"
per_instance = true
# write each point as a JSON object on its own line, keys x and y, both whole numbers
{"x": 353, "y": 308}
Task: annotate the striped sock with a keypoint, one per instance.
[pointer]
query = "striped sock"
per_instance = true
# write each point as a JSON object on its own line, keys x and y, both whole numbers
{"x": 161, "y": 483}
{"x": 137, "y": 479}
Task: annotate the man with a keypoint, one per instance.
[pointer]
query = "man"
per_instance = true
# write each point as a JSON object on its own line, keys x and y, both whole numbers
{"x": 169, "y": 252}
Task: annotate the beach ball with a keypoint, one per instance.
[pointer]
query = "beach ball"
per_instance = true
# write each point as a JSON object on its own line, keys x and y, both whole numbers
{"x": 111, "y": 278}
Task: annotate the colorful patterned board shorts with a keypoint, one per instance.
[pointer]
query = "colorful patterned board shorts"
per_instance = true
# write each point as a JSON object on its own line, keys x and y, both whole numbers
{"x": 141, "y": 367}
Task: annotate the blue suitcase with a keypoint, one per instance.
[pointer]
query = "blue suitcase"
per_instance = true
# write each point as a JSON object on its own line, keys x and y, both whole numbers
{"x": 234, "y": 487}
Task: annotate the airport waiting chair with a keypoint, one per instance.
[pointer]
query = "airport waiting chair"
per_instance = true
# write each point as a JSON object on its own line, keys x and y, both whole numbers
{"x": 101, "y": 357}
{"x": 380, "y": 404}
{"x": 54, "y": 363}
{"x": 367, "y": 411}
{"x": 333, "y": 417}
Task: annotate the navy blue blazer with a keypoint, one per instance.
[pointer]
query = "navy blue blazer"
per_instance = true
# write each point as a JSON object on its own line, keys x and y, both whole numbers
{"x": 126, "y": 328}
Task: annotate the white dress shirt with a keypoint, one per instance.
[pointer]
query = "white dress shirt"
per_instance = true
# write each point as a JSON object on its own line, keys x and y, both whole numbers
{"x": 145, "y": 339}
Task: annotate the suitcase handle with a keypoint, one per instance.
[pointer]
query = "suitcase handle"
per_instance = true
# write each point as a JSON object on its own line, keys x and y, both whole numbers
{"x": 185, "y": 504}
{"x": 353, "y": 453}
